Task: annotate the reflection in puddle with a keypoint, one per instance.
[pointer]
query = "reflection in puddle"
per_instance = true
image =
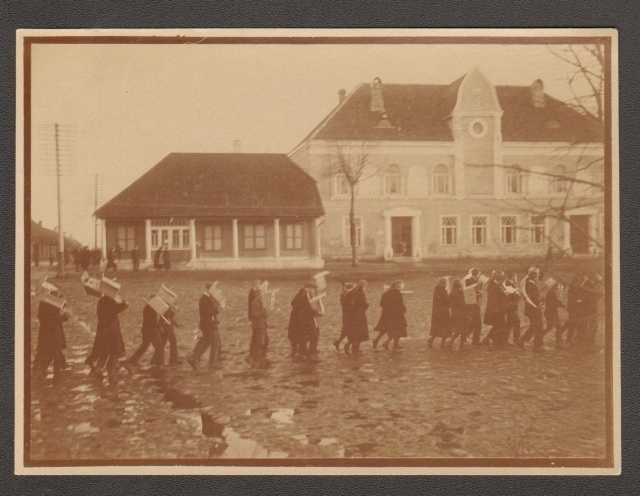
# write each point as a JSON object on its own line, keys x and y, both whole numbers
{"x": 83, "y": 428}
{"x": 282, "y": 415}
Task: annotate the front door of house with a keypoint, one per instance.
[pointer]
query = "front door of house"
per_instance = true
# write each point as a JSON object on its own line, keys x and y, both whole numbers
{"x": 579, "y": 233}
{"x": 401, "y": 236}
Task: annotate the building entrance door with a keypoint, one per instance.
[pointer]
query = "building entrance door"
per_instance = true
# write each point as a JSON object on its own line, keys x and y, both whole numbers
{"x": 401, "y": 236}
{"x": 579, "y": 233}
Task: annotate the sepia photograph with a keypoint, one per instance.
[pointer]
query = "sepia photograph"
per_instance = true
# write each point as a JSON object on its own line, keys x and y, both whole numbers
{"x": 289, "y": 251}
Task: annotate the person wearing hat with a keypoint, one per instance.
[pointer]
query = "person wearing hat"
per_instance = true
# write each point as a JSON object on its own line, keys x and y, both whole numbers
{"x": 392, "y": 320}
{"x": 150, "y": 332}
{"x": 166, "y": 257}
{"x": 473, "y": 309}
{"x": 440, "y": 314}
{"x": 258, "y": 316}
{"x": 346, "y": 301}
{"x": 358, "y": 327}
{"x": 532, "y": 309}
{"x": 51, "y": 340}
{"x": 495, "y": 313}
{"x": 512, "y": 303}
{"x": 303, "y": 325}
{"x": 551, "y": 304}
{"x": 108, "y": 345}
{"x": 208, "y": 309}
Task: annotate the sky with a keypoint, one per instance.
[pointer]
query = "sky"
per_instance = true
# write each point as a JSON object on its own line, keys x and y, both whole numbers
{"x": 122, "y": 108}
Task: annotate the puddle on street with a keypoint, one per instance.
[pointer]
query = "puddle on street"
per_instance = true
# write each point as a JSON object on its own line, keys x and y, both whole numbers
{"x": 83, "y": 387}
{"x": 282, "y": 415}
{"x": 83, "y": 428}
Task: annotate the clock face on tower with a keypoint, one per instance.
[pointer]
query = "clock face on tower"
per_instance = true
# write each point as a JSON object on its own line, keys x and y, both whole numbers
{"x": 478, "y": 128}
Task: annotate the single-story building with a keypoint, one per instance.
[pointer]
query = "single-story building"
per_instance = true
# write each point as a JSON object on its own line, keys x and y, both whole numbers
{"x": 219, "y": 210}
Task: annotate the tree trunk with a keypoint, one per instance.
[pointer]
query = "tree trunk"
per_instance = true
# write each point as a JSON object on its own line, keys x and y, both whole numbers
{"x": 352, "y": 228}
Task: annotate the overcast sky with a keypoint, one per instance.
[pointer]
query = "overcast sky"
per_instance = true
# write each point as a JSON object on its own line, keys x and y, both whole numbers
{"x": 124, "y": 107}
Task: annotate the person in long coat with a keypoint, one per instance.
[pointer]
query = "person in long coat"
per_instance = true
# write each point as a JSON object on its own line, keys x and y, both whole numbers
{"x": 532, "y": 310}
{"x": 167, "y": 333}
{"x": 157, "y": 258}
{"x": 473, "y": 310}
{"x": 166, "y": 258}
{"x": 460, "y": 324}
{"x": 208, "y": 309}
{"x": 135, "y": 258}
{"x": 551, "y": 304}
{"x": 440, "y": 314}
{"x": 346, "y": 306}
{"x": 258, "y": 315}
{"x": 303, "y": 325}
{"x": 495, "y": 313}
{"x": 150, "y": 332}
{"x": 392, "y": 320}
{"x": 51, "y": 340}
{"x": 512, "y": 304}
{"x": 108, "y": 344}
{"x": 357, "y": 325}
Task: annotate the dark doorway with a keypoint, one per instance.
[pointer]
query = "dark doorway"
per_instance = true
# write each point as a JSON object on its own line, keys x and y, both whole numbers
{"x": 579, "y": 235}
{"x": 401, "y": 236}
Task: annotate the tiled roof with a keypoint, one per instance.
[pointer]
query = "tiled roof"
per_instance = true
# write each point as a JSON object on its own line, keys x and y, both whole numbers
{"x": 419, "y": 112}
{"x": 218, "y": 185}
{"x": 44, "y": 236}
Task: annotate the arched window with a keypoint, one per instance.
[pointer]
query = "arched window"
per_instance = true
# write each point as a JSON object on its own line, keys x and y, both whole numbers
{"x": 392, "y": 180}
{"x": 515, "y": 181}
{"x": 559, "y": 182}
{"x": 440, "y": 181}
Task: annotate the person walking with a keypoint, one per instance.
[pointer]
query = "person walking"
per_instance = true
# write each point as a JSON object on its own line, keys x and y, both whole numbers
{"x": 392, "y": 318}
{"x": 167, "y": 333}
{"x": 473, "y": 310}
{"x": 459, "y": 317}
{"x": 512, "y": 303}
{"x": 108, "y": 345}
{"x": 209, "y": 309}
{"x": 440, "y": 314}
{"x": 551, "y": 304}
{"x": 258, "y": 316}
{"x": 303, "y": 325}
{"x": 346, "y": 304}
{"x": 357, "y": 325}
{"x": 532, "y": 310}
{"x": 51, "y": 339}
{"x": 150, "y": 332}
{"x": 495, "y": 313}
{"x": 111, "y": 260}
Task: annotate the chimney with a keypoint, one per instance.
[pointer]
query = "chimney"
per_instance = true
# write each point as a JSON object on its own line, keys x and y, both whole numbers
{"x": 377, "y": 101}
{"x": 341, "y": 95}
{"x": 237, "y": 146}
{"x": 537, "y": 93}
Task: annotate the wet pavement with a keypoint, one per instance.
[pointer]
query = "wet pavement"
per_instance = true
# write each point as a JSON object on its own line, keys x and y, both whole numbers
{"x": 417, "y": 402}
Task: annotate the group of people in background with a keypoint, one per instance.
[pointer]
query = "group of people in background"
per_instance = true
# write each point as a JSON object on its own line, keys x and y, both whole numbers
{"x": 455, "y": 316}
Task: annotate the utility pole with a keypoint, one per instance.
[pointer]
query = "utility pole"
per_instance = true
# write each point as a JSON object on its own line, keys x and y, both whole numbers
{"x": 60, "y": 232}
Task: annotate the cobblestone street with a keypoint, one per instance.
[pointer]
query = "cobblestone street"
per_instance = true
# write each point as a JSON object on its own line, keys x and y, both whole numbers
{"x": 417, "y": 402}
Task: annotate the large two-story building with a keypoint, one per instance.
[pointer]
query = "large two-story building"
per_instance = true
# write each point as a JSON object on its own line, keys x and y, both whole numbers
{"x": 463, "y": 169}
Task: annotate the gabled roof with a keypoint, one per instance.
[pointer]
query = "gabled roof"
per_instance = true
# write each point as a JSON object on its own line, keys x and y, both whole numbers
{"x": 43, "y": 236}
{"x": 420, "y": 112}
{"x": 218, "y": 185}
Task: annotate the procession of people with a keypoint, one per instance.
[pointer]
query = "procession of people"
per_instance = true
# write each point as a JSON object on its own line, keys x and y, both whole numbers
{"x": 456, "y": 316}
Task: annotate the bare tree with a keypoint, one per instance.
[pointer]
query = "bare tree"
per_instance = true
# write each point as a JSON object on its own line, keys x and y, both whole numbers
{"x": 586, "y": 81}
{"x": 353, "y": 163}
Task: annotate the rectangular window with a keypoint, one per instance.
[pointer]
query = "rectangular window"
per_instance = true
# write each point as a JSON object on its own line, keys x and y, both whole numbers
{"x": 175, "y": 242}
{"x": 341, "y": 186}
{"x": 449, "y": 229}
{"x": 154, "y": 238}
{"x": 479, "y": 229}
{"x": 392, "y": 184}
{"x": 126, "y": 237}
{"x": 254, "y": 237}
{"x": 346, "y": 231}
{"x": 174, "y": 237}
{"x": 293, "y": 236}
{"x": 508, "y": 224}
{"x": 538, "y": 229}
{"x": 515, "y": 183}
{"x": 213, "y": 238}
{"x": 185, "y": 238}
